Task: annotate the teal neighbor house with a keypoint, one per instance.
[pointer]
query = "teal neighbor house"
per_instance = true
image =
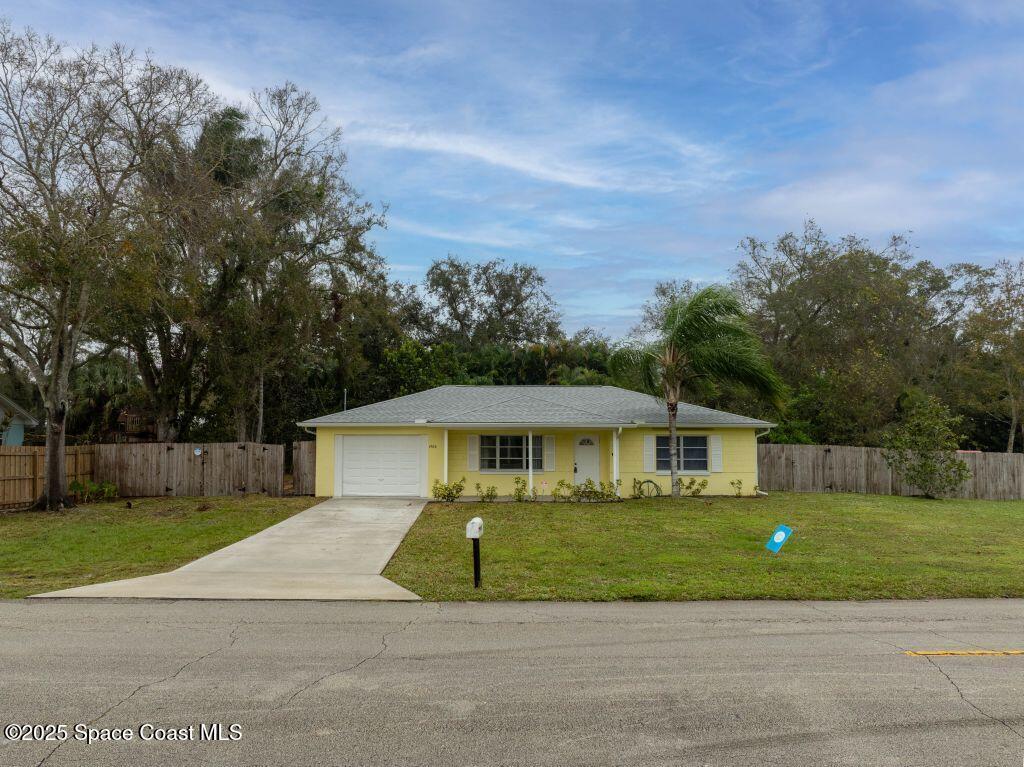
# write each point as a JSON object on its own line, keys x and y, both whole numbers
{"x": 13, "y": 420}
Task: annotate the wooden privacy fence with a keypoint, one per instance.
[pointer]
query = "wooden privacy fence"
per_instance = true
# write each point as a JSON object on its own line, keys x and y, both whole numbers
{"x": 236, "y": 468}
{"x": 842, "y": 469}
{"x": 304, "y": 468}
{"x": 221, "y": 468}
{"x": 21, "y": 472}
{"x": 151, "y": 469}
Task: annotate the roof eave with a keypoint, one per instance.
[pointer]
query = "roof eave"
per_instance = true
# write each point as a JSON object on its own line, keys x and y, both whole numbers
{"x": 536, "y": 424}
{"x": 532, "y": 425}
{"x": 473, "y": 424}
{"x": 18, "y": 410}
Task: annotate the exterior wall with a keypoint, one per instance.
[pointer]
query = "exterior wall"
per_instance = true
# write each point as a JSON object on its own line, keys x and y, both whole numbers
{"x": 739, "y": 458}
{"x": 325, "y": 450}
{"x": 13, "y": 435}
{"x": 739, "y": 461}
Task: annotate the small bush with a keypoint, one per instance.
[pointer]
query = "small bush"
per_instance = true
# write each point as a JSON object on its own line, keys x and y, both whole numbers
{"x": 593, "y": 492}
{"x": 566, "y": 492}
{"x": 589, "y": 491}
{"x": 692, "y": 487}
{"x": 448, "y": 492}
{"x": 80, "y": 490}
{"x": 520, "y": 493}
{"x": 737, "y": 485}
{"x": 89, "y": 491}
{"x": 486, "y": 494}
{"x": 636, "y": 488}
{"x": 563, "y": 491}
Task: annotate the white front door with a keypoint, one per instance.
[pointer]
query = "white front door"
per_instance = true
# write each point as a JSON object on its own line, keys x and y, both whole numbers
{"x": 587, "y": 457}
{"x": 384, "y": 465}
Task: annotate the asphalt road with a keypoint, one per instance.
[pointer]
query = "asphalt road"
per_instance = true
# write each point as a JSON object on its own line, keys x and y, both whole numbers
{"x": 736, "y": 683}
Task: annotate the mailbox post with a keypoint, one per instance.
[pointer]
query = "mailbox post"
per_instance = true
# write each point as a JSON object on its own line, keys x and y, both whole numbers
{"x": 474, "y": 529}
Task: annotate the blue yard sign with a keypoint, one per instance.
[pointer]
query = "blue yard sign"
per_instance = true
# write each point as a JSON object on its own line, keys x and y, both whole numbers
{"x": 779, "y": 537}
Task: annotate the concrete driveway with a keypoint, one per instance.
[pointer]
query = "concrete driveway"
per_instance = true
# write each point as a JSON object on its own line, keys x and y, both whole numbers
{"x": 334, "y": 550}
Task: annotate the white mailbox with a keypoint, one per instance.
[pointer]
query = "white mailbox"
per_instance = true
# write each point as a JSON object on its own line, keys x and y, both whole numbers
{"x": 474, "y": 528}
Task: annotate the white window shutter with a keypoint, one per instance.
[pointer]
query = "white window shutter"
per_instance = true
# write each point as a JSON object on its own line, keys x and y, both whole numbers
{"x": 649, "y": 463}
{"x": 549, "y": 452}
{"x": 715, "y": 448}
{"x": 472, "y": 452}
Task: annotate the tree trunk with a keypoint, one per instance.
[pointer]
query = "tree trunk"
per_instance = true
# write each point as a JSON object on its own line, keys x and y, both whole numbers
{"x": 241, "y": 425}
{"x": 258, "y": 435}
{"x": 673, "y": 447}
{"x": 1013, "y": 428}
{"x": 55, "y": 486}
{"x": 166, "y": 428}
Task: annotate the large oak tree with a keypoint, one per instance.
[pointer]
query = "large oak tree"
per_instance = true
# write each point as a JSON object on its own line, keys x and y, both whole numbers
{"x": 250, "y": 232}
{"x": 76, "y": 127}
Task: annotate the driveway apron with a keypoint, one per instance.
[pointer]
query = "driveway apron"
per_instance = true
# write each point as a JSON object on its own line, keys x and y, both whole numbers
{"x": 335, "y": 550}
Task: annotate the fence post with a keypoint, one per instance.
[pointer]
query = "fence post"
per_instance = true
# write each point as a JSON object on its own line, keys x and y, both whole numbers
{"x": 37, "y": 490}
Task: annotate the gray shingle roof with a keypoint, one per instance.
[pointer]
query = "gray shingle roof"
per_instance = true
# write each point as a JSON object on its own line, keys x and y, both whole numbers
{"x": 552, "y": 405}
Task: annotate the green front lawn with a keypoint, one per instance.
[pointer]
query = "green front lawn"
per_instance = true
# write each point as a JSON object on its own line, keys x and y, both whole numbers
{"x": 45, "y": 551}
{"x": 843, "y": 547}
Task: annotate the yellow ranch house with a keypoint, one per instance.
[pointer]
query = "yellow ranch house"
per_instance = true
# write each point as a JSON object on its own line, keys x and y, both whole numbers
{"x": 492, "y": 434}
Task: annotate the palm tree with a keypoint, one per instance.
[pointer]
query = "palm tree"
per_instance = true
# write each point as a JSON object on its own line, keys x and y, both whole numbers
{"x": 703, "y": 340}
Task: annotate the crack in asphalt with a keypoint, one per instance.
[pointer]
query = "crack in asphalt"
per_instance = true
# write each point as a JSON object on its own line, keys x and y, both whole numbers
{"x": 232, "y": 638}
{"x": 383, "y": 648}
{"x": 965, "y": 699}
{"x": 938, "y": 668}
{"x": 951, "y": 639}
{"x": 184, "y": 626}
{"x": 851, "y": 631}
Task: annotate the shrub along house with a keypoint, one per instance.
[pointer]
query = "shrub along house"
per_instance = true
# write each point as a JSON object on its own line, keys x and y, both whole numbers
{"x": 492, "y": 434}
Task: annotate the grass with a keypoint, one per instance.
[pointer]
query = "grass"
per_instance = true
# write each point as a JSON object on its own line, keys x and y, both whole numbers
{"x": 46, "y": 551}
{"x": 843, "y": 547}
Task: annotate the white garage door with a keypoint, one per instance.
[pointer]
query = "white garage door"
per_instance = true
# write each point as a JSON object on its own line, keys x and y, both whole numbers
{"x": 378, "y": 465}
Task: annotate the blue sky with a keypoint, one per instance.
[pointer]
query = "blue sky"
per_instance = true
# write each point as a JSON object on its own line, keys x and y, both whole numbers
{"x": 613, "y": 144}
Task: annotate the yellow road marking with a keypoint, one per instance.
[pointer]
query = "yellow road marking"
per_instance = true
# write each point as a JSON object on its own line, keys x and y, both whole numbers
{"x": 965, "y": 652}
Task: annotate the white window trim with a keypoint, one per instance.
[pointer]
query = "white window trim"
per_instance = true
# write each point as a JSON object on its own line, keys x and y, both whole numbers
{"x": 523, "y": 471}
{"x": 510, "y": 471}
{"x": 683, "y": 472}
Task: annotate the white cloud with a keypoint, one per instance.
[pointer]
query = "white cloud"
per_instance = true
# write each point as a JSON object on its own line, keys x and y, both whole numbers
{"x": 984, "y": 11}
{"x": 777, "y": 43}
{"x": 494, "y": 236}
{"x": 570, "y": 220}
{"x": 550, "y": 158}
{"x": 964, "y": 88}
{"x": 489, "y": 150}
{"x": 880, "y": 202}
{"x": 936, "y": 151}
